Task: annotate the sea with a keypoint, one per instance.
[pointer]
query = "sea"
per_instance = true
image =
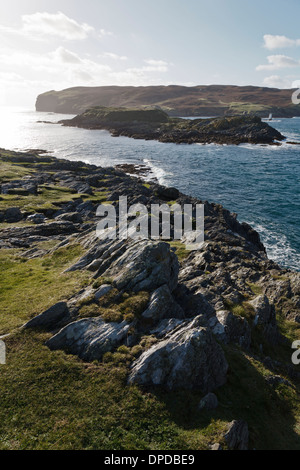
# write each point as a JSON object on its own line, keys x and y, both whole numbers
{"x": 259, "y": 183}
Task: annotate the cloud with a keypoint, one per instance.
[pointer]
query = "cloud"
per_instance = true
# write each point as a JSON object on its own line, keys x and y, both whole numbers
{"x": 55, "y": 24}
{"x": 103, "y": 33}
{"x": 39, "y": 26}
{"x": 111, "y": 55}
{"x": 278, "y": 42}
{"x": 65, "y": 56}
{"x": 277, "y": 62}
{"x": 156, "y": 63}
{"x": 275, "y": 81}
{"x": 58, "y": 65}
{"x": 152, "y": 66}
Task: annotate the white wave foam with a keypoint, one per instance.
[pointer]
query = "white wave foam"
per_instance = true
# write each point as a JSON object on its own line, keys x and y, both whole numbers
{"x": 159, "y": 173}
{"x": 278, "y": 247}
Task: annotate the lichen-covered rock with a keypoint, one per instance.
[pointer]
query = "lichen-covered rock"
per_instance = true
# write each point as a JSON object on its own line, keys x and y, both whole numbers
{"x": 90, "y": 338}
{"x": 231, "y": 328}
{"x": 145, "y": 265}
{"x": 161, "y": 306}
{"x": 190, "y": 358}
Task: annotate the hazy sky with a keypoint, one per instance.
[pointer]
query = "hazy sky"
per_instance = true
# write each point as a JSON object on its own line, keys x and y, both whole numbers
{"x": 47, "y": 45}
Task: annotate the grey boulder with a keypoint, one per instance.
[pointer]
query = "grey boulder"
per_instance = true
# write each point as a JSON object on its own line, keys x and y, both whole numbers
{"x": 230, "y": 328}
{"x": 145, "y": 265}
{"x": 89, "y": 338}
{"x": 265, "y": 318}
{"x": 189, "y": 359}
{"x": 162, "y": 306}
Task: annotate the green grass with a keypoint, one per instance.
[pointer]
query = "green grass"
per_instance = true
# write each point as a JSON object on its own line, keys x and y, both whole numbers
{"x": 240, "y": 107}
{"x": 11, "y": 171}
{"x": 180, "y": 250}
{"x": 71, "y": 405}
{"x": 49, "y": 197}
{"x": 28, "y": 287}
{"x": 255, "y": 288}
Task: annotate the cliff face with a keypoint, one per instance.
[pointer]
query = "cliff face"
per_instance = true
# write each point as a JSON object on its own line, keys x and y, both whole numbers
{"x": 214, "y": 100}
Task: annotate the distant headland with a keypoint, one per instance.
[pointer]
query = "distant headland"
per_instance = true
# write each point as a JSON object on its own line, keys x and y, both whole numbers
{"x": 180, "y": 101}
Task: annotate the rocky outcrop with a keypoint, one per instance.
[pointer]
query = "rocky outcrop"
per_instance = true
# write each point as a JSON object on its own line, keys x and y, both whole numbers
{"x": 145, "y": 265}
{"x": 188, "y": 359}
{"x": 230, "y": 328}
{"x": 156, "y": 125}
{"x": 162, "y": 306}
{"x": 265, "y": 317}
{"x": 90, "y": 339}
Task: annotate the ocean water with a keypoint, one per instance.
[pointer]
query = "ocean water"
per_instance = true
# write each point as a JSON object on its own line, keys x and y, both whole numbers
{"x": 260, "y": 183}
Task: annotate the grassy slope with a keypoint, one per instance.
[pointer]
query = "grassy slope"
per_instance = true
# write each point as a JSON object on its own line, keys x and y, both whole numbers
{"x": 50, "y": 400}
{"x": 176, "y": 100}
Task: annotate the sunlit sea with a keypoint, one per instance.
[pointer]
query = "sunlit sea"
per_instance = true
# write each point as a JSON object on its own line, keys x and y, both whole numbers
{"x": 260, "y": 183}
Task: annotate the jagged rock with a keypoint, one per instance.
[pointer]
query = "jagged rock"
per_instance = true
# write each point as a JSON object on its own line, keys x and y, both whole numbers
{"x": 231, "y": 328}
{"x": 76, "y": 185}
{"x": 71, "y": 217}
{"x": 162, "y": 305}
{"x": 190, "y": 358}
{"x": 262, "y": 309}
{"x": 145, "y": 265}
{"x": 237, "y": 436}
{"x": 209, "y": 402}
{"x": 21, "y": 187}
{"x": 168, "y": 194}
{"x": 90, "y": 338}
{"x": 165, "y": 326}
{"x": 51, "y": 318}
{"x": 265, "y": 316}
{"x": 35, "y": 233}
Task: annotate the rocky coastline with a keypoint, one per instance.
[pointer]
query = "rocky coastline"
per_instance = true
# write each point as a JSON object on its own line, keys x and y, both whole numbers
{"x": 155, "y": 124}
{"x": 184, "y": 321}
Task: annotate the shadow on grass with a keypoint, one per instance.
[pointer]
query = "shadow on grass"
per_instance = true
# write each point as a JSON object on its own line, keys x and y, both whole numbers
{"x": 271, "y": 413}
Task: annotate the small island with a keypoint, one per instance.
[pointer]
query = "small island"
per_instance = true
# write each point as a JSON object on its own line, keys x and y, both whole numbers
{"x": 155, "y": 124}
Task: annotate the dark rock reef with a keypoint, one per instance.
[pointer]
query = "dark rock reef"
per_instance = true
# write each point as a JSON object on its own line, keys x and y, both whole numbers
{"x": 154, "y": 124}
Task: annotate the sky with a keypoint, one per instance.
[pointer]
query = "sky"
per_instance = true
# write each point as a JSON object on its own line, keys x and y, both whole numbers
{"x": 53, "y": 45}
